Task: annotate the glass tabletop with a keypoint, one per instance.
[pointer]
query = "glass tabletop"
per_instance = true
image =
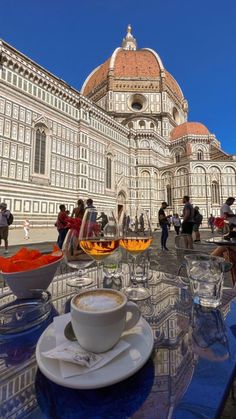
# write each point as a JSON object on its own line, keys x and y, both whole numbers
{"x": 221, "y": 242}
{"x": 188, "y": 374}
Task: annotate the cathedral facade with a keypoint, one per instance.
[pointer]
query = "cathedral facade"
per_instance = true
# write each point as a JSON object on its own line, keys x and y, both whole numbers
{"x": 124, "y": 140}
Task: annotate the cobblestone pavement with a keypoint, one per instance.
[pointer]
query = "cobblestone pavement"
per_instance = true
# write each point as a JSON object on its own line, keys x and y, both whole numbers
{"x": 44, "y": 238}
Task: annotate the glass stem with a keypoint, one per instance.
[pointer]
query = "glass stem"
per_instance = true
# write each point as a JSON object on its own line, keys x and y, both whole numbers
{"x": 134, "y": 265}
{"x": 99, "y": 274}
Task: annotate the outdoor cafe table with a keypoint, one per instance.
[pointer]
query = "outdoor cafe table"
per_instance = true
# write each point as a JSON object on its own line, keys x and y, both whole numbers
{"x": 188, "y": 375}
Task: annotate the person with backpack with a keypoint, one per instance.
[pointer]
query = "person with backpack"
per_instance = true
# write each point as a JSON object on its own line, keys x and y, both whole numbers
{"x": 197, "y": 219}
{"x": 6, "y": 219}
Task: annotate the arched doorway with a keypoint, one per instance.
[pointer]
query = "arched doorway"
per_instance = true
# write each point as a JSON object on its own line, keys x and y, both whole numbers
{"x": 121, "y": 201}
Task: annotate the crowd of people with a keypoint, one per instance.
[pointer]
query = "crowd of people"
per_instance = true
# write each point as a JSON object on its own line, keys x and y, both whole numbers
{"x": 190, "y": 222}
{"x": 63, "y": 217}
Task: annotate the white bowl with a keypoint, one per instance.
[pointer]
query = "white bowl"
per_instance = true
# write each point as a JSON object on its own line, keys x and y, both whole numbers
{"x": 24, "y": 283}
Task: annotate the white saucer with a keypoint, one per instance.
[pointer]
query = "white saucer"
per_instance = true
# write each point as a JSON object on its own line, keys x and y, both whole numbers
{"x": 126, "y": 364}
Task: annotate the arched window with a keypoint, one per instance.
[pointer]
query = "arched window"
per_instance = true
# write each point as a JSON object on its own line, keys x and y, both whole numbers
{"x": 215, "y": 193}
{"x": 40, "y": 152}
{"x": 108, "y": 171}
{"x": 181, "y": 183}
{"x": 177, "y": 158}
{"x": 130, "y": 125}
{"x": 176, "y": 116}
{"x": 199, "y": 155}
{"x": 142, "y": 124}
{"x": 144, "y": 144}
{"x": 169, "y": 195}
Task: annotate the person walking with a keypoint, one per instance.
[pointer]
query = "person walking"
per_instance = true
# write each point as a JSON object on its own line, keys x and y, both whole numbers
{"x": 211, "y": 221}
{"x": 104, "y": 219}
{"x": 197, "y": 219}
{"x": 176, "y": 223}
{"x": 187, "y": 224}
{"x": 163, "y": 222}
{"x": 61, "y": 225}
{"x": 126, "y": 222}
{"x": 141, "y": 222}
{"x": 89, "y": 203}
{"x": 4, "y": 226}
{"x": 26, "y": 227}
{"x": 169, "y": 220}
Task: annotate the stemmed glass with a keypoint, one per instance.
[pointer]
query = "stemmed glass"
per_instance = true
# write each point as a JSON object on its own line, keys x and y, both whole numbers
{"x": 75, "y": 258}
{"x": 135, "y": 239}
{"x": 99, "y": 240}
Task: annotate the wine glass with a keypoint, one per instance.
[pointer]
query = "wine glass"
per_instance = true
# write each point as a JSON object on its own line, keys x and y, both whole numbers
{"x": 75, "y": 258}
{"x": 136, "y": 237}
{"x": 98, "y": 239}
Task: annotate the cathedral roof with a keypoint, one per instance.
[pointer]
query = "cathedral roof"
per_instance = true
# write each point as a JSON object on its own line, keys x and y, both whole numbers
{"x": 136, "y": 64}
{"x": 130, "y": 63}
{"x": 188, "y": 128}
{"x": 96, "y": 78}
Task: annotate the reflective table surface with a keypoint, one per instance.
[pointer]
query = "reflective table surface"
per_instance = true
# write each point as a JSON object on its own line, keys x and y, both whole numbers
{"x": 219, "y": 241}
{"x": 188, "y": 375}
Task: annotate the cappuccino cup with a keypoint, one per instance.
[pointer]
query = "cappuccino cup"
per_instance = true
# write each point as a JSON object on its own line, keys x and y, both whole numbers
{"x": 98, "y": 318}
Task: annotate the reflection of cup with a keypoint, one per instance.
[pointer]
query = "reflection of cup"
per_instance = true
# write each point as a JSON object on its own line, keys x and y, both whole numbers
{"x": 205, "y": 279}
{"x": 99, "y": 318}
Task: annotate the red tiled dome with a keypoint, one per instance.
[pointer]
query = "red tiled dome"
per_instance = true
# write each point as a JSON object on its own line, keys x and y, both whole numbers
{"x": 96, "y": 78}
{"x": 173, "y": 85}
{"x": 188, "y": 128}
{"x": 136, "y": 64}
{"x": 141, "y": 64}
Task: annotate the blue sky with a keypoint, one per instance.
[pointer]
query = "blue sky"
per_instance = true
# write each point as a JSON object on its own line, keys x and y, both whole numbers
{"x": 196, "y": 41}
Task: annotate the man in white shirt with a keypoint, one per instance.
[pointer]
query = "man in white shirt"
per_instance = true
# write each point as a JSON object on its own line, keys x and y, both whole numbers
{"x": 4, "y": 227}
{"x": 226, "y": 211}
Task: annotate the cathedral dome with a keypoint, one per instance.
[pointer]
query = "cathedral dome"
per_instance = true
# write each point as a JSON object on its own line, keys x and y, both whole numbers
{"x": 189, "y": 128}
{"x": 143, "y": 68}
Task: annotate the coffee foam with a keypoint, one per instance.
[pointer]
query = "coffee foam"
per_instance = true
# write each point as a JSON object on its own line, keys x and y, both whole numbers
{"x": 94, "y": 301}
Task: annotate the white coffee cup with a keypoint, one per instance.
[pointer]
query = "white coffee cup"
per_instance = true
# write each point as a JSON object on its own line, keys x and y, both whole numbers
{"x": 99, "y": 318}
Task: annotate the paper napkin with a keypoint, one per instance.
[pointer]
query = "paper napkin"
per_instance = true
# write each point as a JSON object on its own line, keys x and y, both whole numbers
{"x": 73, "y": 359}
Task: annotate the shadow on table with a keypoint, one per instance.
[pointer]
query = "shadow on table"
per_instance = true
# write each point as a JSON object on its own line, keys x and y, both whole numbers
{"x": 120, "y": 400}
